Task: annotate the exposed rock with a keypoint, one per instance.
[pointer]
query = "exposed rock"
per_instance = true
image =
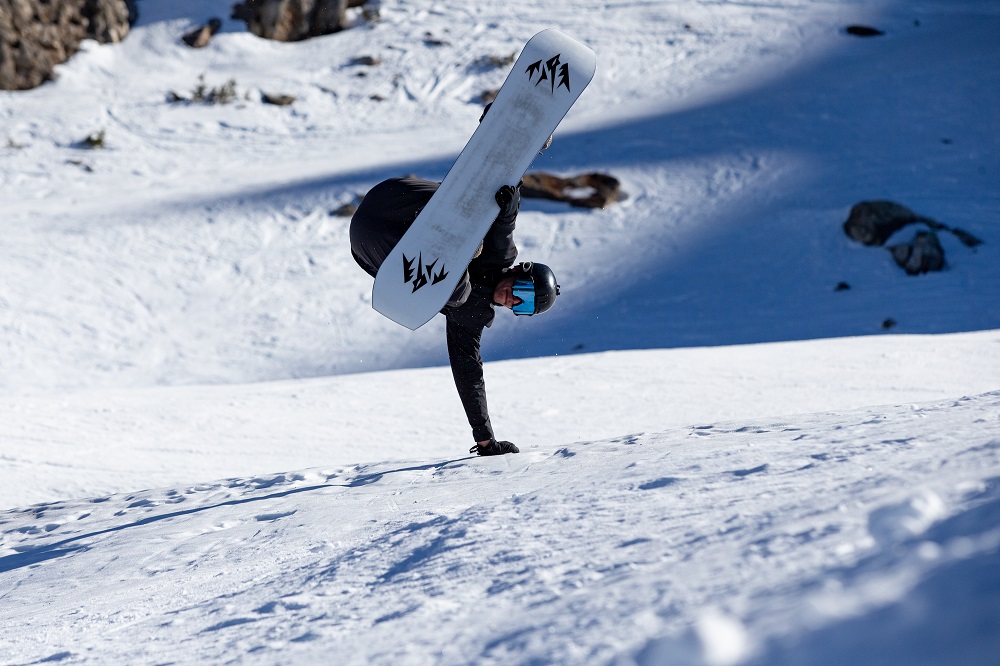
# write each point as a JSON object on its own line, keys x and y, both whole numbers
{"x": 330, "y": 16}
{"x": 200, "y": 37}
{"x": 863, "y": 31}
{"x": 108, "y": 21}
{"x": 37, "y": 35}
{"x": 872, "y": 222}
{"x": 93, "y": 141}
{"x": 604, "y": 189}
{"x": 295, "y": 20}
{"x": 495, "y": 61}
{"x": 291, "y": 20}
{"x": 242, "y": 12}
{"x": 347, "y": 210}
{"x": 921, "y": 255}
{"x": 277, "y": 100}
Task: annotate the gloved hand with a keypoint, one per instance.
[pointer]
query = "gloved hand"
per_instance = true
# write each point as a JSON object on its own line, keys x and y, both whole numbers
{"x": 494, "y": 448}
{"x": 509, "y": 199}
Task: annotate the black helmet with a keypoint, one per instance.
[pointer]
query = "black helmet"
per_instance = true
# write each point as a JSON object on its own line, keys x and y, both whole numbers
{"x": 535, "y": 285}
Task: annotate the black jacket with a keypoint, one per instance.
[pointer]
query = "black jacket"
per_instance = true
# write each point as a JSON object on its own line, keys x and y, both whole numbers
{"x": 381, "y": 220}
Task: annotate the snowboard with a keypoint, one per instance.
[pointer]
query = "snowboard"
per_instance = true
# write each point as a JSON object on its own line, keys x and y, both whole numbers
{"x": 417, "y": 277}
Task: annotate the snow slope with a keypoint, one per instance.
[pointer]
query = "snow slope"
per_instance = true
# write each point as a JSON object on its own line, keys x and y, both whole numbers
{"x": 725, "y": 460}
{"x": 78, "y": 444}
{"x": 743, "y": 134}
{"x": 692, "y": 545}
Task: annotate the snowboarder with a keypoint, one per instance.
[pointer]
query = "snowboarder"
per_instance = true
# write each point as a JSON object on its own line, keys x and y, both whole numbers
{"x": 491, "y": 279}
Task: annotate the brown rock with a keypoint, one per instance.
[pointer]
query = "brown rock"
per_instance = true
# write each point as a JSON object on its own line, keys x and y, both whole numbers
{"x": 108, "y": 21}
{"x": 604, "y": 189}
{"x": 292, "y": 20}
{"x": 277, "y": 100}
{"x": 37, "y": 35}
{"x": 200, "y": 37}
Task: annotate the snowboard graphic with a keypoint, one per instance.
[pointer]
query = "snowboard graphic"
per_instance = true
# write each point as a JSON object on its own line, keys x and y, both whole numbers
{"x": 416, "y": 279}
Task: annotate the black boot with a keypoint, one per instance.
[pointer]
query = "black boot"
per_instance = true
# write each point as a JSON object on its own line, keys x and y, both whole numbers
{"x": 494, "y": 448}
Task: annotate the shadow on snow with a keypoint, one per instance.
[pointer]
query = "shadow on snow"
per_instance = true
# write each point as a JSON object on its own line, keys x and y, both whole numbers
{"x": 760, "y": 256}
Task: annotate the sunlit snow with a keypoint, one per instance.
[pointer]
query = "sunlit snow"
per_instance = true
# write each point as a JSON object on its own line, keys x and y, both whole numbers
{"x": 213, "y": 450}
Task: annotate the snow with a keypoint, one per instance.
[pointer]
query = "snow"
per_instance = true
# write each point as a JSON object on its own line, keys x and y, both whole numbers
{"x": 213, "y": 450}
{"x": 589, "y": 552}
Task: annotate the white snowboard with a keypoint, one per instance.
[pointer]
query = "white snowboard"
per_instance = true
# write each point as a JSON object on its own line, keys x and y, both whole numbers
{"x": 422, "y": 271}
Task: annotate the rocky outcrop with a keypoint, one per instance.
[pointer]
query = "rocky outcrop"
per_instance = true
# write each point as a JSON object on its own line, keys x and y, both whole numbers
{"x": 294, "y": 20}
{"x": 873, "y": 222}
{"x": 109, "y": 21}
{"x": 37, "y": 35}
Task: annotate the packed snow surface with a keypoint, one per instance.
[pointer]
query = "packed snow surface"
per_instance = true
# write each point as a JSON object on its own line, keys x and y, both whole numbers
{"x": 726, "y": 458}
{"x": 705, "y": 543}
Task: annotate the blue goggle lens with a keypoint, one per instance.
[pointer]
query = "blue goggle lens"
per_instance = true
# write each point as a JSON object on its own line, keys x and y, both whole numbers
{"x": 525, "y": 290}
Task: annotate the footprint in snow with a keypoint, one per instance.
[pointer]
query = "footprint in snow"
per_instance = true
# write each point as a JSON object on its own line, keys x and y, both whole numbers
{"x": 740, "y": 473}
{"x": 659, "y": 483}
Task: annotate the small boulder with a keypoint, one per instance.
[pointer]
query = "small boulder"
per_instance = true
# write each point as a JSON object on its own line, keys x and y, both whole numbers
{"x": 863, "y": 31}
{"x": 200, "y": 37}
{"x": 921, "y": 255}
{"x": 277, "y": 100}
{"x": 872, "y": 222}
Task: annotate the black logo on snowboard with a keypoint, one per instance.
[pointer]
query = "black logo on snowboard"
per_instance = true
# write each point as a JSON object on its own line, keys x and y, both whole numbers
{"x": 552, "y": 70}
{"x": 423, "y": 274}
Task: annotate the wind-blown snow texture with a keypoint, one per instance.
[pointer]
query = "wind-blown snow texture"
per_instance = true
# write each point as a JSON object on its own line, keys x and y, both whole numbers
{"x": 725, "y": 460}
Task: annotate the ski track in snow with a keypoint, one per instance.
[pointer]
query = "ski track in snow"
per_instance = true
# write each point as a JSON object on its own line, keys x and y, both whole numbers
{"x": 582, "y": 553}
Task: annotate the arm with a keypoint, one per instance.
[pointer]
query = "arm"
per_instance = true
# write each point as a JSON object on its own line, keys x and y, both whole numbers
{"x": 464, "y": 335}
{"x": 498, "y": 250}
{"x": 467, "y": 320}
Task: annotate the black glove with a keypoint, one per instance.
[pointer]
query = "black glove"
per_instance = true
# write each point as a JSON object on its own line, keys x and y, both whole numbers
{"x": 509, "y": 199}
{"x": 494, "y": 448}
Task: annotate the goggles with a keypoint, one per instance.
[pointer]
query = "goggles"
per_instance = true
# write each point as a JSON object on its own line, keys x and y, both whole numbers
{"x": 524, "y": 289}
